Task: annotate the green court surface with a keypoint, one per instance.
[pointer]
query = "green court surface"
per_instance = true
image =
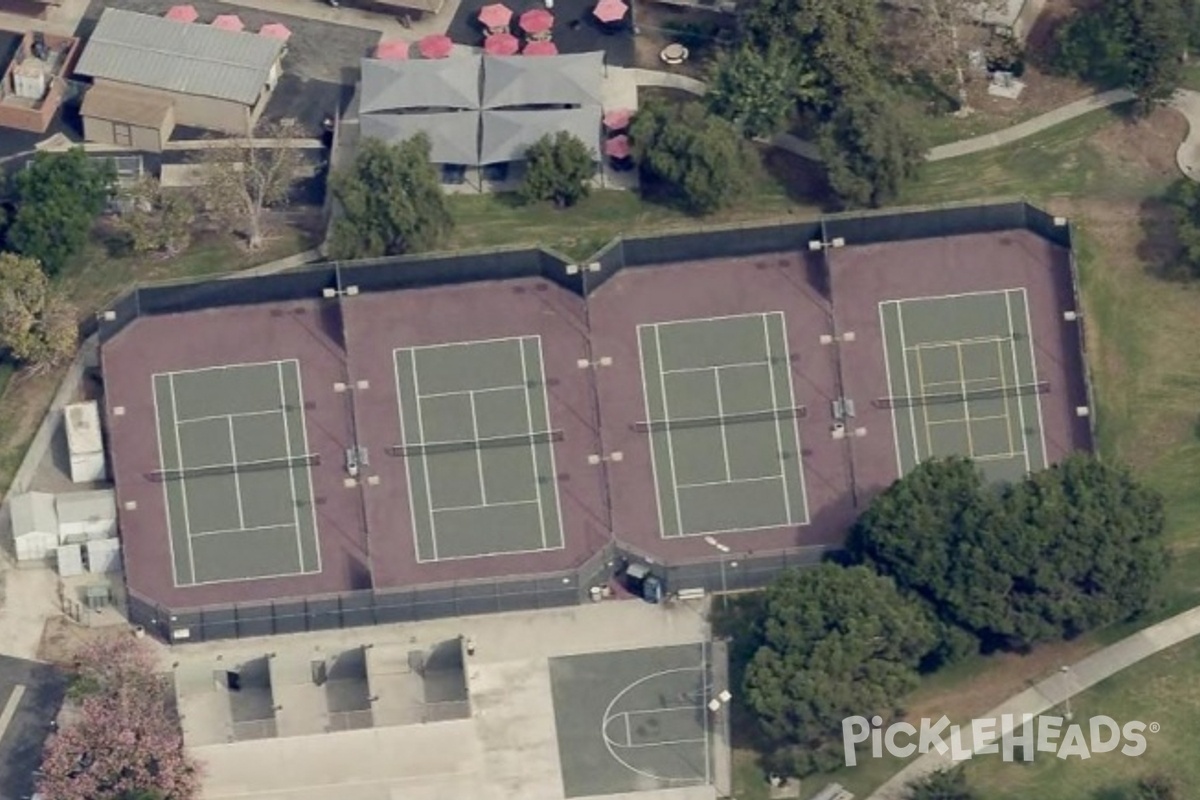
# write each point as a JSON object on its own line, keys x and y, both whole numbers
{"x": 235, "y": 472}
{"x": 475, "y": 424}
{"x": 962, "y": 378}
{"x": 722, "y": 421}
{"x": 635, "y": 720}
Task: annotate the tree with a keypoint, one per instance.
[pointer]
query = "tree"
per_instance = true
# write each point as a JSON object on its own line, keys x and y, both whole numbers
{"x": 929, "y": 41}
{"x": 757, "y": 90}
{"x": 1064, "y": 551}
{"x": 945, "y": 784}
{"x": 1135, "y": 43}
{"x": 37, "y": 324}
{"x": 1156, "y": 786}
{"x": 558, "y": 168}
{"x": 1183, "y": 198}
{"x": 869, "y": 148}
{"x": 833, "y": 642}
{"x": 125, "y": 742}
{"x": 157, "y": 221}
{"x": 243, "y": 178}
{"x": 390, "y": 200}
{"x": 57, "y": 198}
{"x": 703, "y": 158}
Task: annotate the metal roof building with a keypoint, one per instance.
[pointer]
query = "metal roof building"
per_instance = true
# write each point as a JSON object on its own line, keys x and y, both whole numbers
{"x": 573, "y": 79}
{"x": 508, "y": 134}
{"x": 429, "y": 83}
{"x": 453, "y": 136}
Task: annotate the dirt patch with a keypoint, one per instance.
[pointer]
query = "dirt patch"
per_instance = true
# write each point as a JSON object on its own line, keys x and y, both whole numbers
{"x": 701, "y": 31}
{"x": 1147, "y": 146}
{"x": 62, "y": 638}
{"x": 24, "y": 402}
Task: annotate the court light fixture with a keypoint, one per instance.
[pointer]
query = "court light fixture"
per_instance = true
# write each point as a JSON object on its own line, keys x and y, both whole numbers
{"x": 818, "y": 244}
{"x": 1082, "y": 411}
{"x": 712, "y": 542}
{"x": 1070, "y": 316}
{"x": 724, "y": 696}
{"x": 603, "y": 361}
{"x": 107, "y": 316}
{"x": 616, "y": 457}
{"x": 118, "y": 411}
{"x": 714, "y": 705}
{"x": 575, "y": 269}
{"x": 329, "y": 292}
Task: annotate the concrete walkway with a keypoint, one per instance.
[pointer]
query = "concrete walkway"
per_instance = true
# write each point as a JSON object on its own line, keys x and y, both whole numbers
{"x": 1054, "y": 691}
{"x": 1187, "y": 102}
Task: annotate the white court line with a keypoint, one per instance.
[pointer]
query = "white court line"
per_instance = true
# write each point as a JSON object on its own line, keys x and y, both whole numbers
{"x": 912, "y": 414}
{"x": 200, "y": 534}
{"x": 287, "y": 445}
{"x": 980, "y": 293}
{"x": 997, "y": 457}
{"x": 408, "y": 471}
{"x": 478, "y": 450}
{"x": 958, "y": 342}
{"x": 691, "y": 320}
{"x": 166, "y": 494}
{"x": 965, "y": 419}
{"x": 662, "y": 380}
{"x": 1017, "y": 377}
{"x": 794, "y": 422}
{"x": 231, "y": 416}
{"x": 628, "y": 731}
{"x": 717, "y": 367}
{"x": 1037, "y": 398}
{"x": 962, "y": 371}
{"x": 650, "y": 435}
{"x": 553, "y": 460}
{"x": 533, "y": 460}
{"x": 444, "y": 345}
{"x": 762, "y": 479}
{"x": 522, "y": 387}
{"x": 704, "y": 696}
{"x": 716, "y": 374}
{"x": 237, "y": 479}
{"x": 223, "y": 367}
{"x": 787, "y": 500}
{"x": 887, "y": 371}
{"x": 1007, "y": 408}
{"x": 486, "y": 505}
{"x": 424, "y": 462}
{"x": 187, "y": 518}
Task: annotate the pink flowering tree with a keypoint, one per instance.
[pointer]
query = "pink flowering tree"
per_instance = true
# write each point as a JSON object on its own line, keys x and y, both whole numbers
{"x": 126, "y": 742}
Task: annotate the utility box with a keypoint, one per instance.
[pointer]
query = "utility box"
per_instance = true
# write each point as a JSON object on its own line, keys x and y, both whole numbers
{"x": 641, "y": 580}
{"x": 85, "y": 442}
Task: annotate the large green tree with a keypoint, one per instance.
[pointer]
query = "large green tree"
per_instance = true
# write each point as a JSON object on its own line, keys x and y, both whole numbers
{"x": 1064, "y": 551}
{"x": 1183, "y": 198}
{"x": 832, "y": 642}
{"x": 57, "y": 197}
{"x": 390, "y": 201}
{"x": 869, "y": 147}
{"x": 703, "y": 158}
{"x": 37, "y": 324}
{"x": 758, "y": 90}
{"x": 945, "y": 784}
{"x": 558, "y": 168}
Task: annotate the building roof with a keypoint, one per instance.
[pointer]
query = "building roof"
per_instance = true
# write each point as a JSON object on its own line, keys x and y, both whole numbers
{"x": 83, "y": 428}
{"x": 508, "y": 134}
{"x": 33, "y": 513}
{"x": 453, "y": 135}
{"x": 181, "y": 57}
{"x": 420, "y": 83}
{"x": 572, "y": 79}
{"x": 76, "y": 507}
{"x": 127, "y": 105}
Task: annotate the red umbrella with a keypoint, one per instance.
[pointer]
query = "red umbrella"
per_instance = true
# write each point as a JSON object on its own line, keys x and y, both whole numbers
{"x": 229, "y": 22}
{"x": 435, "y": 45}
{"x": 275, "y": 30}
{"x": 392, "y": 50}
{"x": 617, "y": 119}
{"x": 543, "y": 48}
{"x": 502, "y": 44}
{"x": 617, "y": 147}
{"x": 496, "y": 15}
{"x": 183, "y": 14}
{"x": 611, "y": 10}
{"x": 537, "y": 20}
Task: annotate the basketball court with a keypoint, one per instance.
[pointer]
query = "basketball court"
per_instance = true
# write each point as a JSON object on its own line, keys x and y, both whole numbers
{"x": 235, "y": 468}
{"x": 962, "y": 378}
{"x": 722, "y": 421}
{"x": 479, "y": 445}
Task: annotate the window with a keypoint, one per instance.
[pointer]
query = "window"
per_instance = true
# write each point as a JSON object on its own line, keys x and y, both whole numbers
{"x": 122, "y": 134}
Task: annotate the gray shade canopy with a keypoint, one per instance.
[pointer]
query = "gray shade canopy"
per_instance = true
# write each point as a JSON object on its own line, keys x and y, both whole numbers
{"x": 187, "y": 58}
{"x": 572, "y": 79}
{"x": 453, "y": 135}
{"x": 425, "y": 83}
{"x": 507, "y": 135}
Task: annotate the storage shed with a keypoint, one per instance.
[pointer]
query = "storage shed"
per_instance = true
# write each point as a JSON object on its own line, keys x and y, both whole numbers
{"x": 34, "y": 525}
{"x": 85, "y": 442}
{"x": 86, "y": 516}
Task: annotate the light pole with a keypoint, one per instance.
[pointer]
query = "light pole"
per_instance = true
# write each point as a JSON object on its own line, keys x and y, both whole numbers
{"x": 711, "y": 541}
{"x": 1066, "y": 671}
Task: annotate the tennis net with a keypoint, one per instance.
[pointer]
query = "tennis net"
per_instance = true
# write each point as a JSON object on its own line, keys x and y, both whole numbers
{"x": 516, "y": 440}
{"x": 769, "y": 415}
{"x": 941, "y": 398}
{"x": 234, "y": 469}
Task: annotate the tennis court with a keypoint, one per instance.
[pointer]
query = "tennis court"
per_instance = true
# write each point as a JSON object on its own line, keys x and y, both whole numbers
{"x": 476, "y": 434}
{"x": 962, "y": 378}
{"x": 235, "y": 469}
{"x": 722, "y": 422}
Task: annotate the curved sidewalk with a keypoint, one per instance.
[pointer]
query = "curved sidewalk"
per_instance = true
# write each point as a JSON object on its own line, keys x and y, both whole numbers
{"x": 1055, "y": 690}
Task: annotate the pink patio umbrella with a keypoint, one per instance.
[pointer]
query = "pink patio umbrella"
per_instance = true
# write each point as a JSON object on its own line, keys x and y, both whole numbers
{"x": 183, "y": 13}
{"x": 502, "y": 44}
{"x": 276, "y": 30}
{"x": 610, "y": 10}
{"x": 496, "y": 15}
{"x": 435, "y": 45}
{"x": 617, "y": 147}
{"x": 392, "y": 50}
{"x": 617, "y": 119}
{"x": 229, "y": 22}
{"x": 537, "y": 20}
{"x": 543, "y": 48}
